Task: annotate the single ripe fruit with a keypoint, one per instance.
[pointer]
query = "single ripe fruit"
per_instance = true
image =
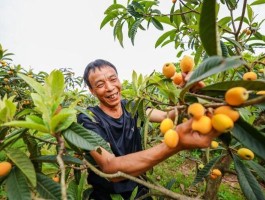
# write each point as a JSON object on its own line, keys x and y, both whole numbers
{"x": 196, "y": 110}
{"x": 56, "y": 179}
{"x": 245, "y": 154}
{"x": 261, "y": 92}
{"x": 166, "y": 124}
{"x": 222, "y": 123}
{"x": 171, "y": 138}
{"x": 214, "y": 144}
{"x": 250, "y": 76}
{"x": 201, "y": 166}
{"x": 186, "y": 64}
{"x": 177, "y": 78}
{"x": 215, "y": 173}
{"x": 229, "y": 111}
{"x": 169, "y": 70}
{"x": 5, "y": 168}
{"x": 202, "y": 125}
{"x": 236, "y": 96}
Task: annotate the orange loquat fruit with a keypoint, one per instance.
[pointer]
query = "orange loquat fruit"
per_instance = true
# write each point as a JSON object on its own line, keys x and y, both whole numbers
{"x": 171, "y": 138}
{"x": 196, "y": 110}
{"x": 229, "y": 111}
{"x": 250, "y": 76}
{"x": 166, "y": 124}
{"x": 169, "y": 70}
{"x": 186, "y": 64}
{"x": 245, "y": 154}
{"x": 236, "y": 96}
{"x": 202, "y": 125}
{"x": 222, "y": 123}
{"x": 5, "y": 168}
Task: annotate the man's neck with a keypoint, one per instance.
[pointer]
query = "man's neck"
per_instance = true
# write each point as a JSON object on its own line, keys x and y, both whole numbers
{"x": 114, "y": 112}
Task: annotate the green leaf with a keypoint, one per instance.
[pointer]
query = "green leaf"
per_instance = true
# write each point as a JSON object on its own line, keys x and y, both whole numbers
{"x": 164, "y": 36}
{"x": 133, "y": 29}
{"x": 29, "y": 125}
{"x": 258, "y": 2}
{"x": 249, "y": 185}
{"x": 205, "y": 170}
{"x": 208, "y": 28}
{"x": 157, "y": 24}
{"x": 234, "y": 42}
{"x": 83, "y": 138}
{"x": 250, "y": 137}
{"x": 17, "y": 185}
{"x": 47, "y": 188}
{"x": 33, "y": 83}
{"x": 23, "y": 163}
{"x": 108, "y": 18}
{"x": 53, "y": 159}
{"x": 210, "y": 66}
{"x": 54, "y": 84}
{"x": 114, "y": 7}
{"x": 260, "y": 170}
{"x": 62, "y": 120}
{"x": 133, "y": 12}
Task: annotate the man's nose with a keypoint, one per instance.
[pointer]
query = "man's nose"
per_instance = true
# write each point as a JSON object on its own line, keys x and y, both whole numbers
{"x": 109, "y": 85}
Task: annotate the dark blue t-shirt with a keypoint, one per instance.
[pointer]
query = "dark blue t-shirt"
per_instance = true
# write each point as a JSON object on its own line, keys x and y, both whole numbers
{"x": 123, "y": 136}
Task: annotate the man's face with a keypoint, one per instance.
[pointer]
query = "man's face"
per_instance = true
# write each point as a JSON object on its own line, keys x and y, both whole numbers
{"x": 106, "y": 86}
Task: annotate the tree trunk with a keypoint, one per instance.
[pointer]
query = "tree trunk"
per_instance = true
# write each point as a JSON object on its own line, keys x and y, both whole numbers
{"x": 212, "y": 185}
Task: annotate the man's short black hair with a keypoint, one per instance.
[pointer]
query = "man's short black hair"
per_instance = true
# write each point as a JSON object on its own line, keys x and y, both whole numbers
{"x": 92, "y": 66}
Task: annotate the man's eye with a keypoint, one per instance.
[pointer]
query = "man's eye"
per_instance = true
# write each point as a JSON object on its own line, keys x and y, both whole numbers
{"x": 100, "y": 85}
{"x": 113, "y": 79}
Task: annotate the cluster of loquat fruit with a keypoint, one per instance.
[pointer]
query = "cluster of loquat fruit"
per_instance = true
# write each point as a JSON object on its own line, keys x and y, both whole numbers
{"x": 204, "y": 120}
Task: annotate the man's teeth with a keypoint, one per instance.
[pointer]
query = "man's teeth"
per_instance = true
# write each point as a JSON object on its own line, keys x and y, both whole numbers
{"x": 112, "y": 96}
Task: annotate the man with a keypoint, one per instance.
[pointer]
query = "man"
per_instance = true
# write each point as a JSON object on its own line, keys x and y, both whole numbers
{"x": 118, "y": 128}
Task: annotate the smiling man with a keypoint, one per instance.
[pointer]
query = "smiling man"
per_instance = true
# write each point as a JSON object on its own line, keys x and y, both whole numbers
{"x": 116, "y": 125}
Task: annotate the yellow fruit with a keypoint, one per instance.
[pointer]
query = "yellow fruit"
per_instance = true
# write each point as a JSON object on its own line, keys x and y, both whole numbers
{"x": 262, "y": 92}
{"x": 222, "y": 123}
{"x": 214, "y": 144}
{"x": 250, "y": 76}
{"x": 196, "y": 110}
{"x": 215, "y": 173}
{"x": 174, "y": 1}
{"x": 177, "y": 78}
{"x": 171, "y": 138}
{"x": 5, "y": 168}
{"x": 169, "y": 70}
{"x": 56, "y": 179}
{"x": 245, "y": 154}
{"x": 166, "y": 124}
{"x": 186, "y": 64}
{"x": 202, "y": 125}
{"x": 229, "y": 111}
{"x": 248, "y": 32}
{"x": 236, "y": 96}
{"x": 201, "y": 166}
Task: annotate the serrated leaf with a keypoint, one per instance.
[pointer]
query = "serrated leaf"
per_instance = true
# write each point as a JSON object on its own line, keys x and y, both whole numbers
{"x": 47, "y": 188}
{"x": 205, "y": 170}
{"x": 53, "y": 159}
{"x": 250, "y": 137}
{"x": 210, "y": 66}
{"x": 249, "y": 185}
{"x": 83, "y": 138}
{"x": 21, "y": 160}
{"x": 133, "y": 29}
{"x": 17, "y": 185}
{"x": 208, "y": 28}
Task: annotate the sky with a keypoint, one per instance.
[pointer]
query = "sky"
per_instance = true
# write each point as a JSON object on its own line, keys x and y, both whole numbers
{"x": 52, "y": 34}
